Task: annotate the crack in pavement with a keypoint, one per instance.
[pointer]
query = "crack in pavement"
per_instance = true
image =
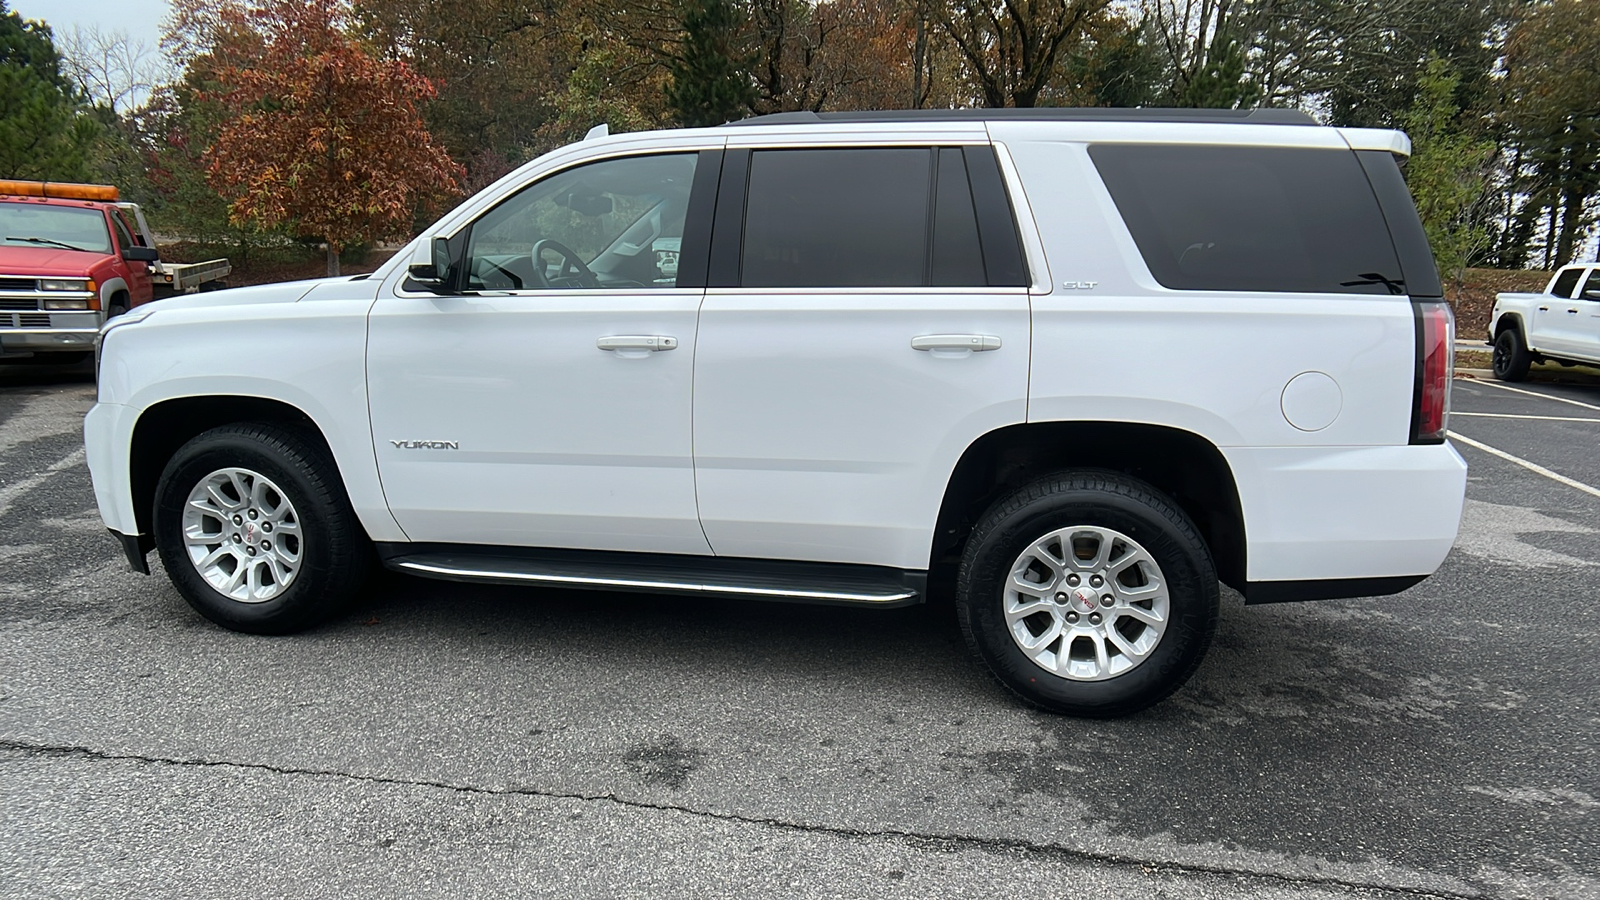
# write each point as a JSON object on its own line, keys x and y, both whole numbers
{"x": 923, "y": 838}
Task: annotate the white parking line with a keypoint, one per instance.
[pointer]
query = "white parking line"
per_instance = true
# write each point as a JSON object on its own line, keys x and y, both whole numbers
{"x": 1478, "y": 415}
{"x": 11, "y": 492}
{"x": 1507, "y": 387}
{"x": 1530, "y": 466}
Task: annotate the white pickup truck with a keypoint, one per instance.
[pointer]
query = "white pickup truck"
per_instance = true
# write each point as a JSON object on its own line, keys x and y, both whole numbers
{"x": 1560, "y": 325}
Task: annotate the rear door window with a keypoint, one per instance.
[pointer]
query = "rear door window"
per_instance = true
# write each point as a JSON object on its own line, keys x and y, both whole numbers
{"x": 837, "y": 218}
{"x": 1565, "y": 282}
{"x": 863, "y": 217}
{"x": 1274, "y": 219}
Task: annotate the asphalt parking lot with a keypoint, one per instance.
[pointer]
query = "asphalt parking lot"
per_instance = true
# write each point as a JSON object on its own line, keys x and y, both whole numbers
{"x": 446, "y": 740}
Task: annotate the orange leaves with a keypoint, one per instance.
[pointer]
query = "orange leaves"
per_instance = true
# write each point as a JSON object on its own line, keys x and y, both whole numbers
{"x": 322, "y": 138}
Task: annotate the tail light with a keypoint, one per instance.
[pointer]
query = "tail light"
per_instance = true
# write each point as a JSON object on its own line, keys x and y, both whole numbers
{"x": 1436, "y": 365}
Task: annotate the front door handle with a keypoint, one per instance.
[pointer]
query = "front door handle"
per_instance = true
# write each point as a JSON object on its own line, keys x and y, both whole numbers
{"x": 975, "y": 343}
{"x": 652, "y": 343}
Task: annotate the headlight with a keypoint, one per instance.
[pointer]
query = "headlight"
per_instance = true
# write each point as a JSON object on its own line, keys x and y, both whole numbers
{"x": 64, "y": 284}
{"x": 66, "y": 304}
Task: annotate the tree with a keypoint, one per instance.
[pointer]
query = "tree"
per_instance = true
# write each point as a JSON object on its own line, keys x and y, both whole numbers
{"x": 1552, "y": 112}
{"x": 710, "y": 81}
{"x": 1447, "y": 172}
{"x": 321, "y": 137}
{"x": 47, "y": 131}
{"x": 114, "y": 70}
{"x": 1010, "y": 47}
{"x": 1202, "y": 41}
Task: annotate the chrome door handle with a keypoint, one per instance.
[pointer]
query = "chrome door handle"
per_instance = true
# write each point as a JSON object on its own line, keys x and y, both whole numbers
{"x": 650, "y": 342}
{"x": 976, "y": 343}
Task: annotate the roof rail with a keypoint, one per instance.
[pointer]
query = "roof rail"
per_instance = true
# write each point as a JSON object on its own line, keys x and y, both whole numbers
{"x": 1039, "y": 114}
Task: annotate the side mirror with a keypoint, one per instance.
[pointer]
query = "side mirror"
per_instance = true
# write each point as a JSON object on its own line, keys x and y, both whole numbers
{"x": 434, "y": 274}
{"x": 1592, "y": 294}
{"x": 141, "y": 254}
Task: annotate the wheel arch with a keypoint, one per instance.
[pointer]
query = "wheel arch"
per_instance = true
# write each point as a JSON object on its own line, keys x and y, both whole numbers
{"x": 1511, "y": 320}
{"x": 1181, "y": 464}
{"x": 110, "y": 289}
{"x": 164, "y": 427}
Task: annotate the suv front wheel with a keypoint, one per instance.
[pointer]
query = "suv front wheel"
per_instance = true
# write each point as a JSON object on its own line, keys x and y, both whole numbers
{"x": 1088, "y": 593}
{"x": 254, "y": 528}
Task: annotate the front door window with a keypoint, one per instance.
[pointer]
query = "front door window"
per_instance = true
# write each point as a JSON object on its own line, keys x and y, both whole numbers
{"x": 615, "y": 224}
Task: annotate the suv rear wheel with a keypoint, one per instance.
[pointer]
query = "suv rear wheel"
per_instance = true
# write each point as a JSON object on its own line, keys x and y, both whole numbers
{"x": 1088, "y": 593}
{"x": 254, "y": 528}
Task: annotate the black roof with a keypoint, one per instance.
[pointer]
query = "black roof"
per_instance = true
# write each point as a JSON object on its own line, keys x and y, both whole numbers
{"x": 1040, "y": 114}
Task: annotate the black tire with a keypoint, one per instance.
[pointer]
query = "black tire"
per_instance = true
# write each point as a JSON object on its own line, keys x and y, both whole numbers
{"x": 1106, "y": 500}
{"x": 1511, "y": 356}
{"x": 336, "y": 556}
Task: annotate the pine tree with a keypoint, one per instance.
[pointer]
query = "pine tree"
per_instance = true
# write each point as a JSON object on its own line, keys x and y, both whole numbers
{"x": 1447, "y": 172}
{"x": 46, "y": 129}
{"x": 709, "y": 82}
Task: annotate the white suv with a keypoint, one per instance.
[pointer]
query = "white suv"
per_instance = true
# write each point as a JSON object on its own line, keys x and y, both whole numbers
{"x": 1078, "y": 364}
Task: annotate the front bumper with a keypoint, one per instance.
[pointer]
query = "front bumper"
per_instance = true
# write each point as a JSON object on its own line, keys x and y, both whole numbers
{"x": 40, "y": 340}
{"x": 107, "y": 434}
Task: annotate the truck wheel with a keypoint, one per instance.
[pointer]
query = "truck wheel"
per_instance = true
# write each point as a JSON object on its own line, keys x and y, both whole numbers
{"x": 1088, "y": 593}
{"x": 1511, "y": 358}
{"x": 256, "y": 532}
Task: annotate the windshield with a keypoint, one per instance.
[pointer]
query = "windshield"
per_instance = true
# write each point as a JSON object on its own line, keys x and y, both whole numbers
{"x": 62, "y": 227}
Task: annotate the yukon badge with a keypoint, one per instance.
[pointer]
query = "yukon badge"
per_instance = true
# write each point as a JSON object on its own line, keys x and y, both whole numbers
{"x": 427, "y": 445}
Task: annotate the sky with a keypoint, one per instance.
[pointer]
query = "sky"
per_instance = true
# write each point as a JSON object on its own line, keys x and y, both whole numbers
{"x": 141, "y": 19}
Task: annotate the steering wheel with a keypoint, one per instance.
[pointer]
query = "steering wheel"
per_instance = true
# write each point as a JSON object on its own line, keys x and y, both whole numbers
{"x": 571, "y": 272}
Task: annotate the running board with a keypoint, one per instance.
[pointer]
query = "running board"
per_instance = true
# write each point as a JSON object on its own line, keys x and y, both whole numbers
{"x": 792, "y": 582}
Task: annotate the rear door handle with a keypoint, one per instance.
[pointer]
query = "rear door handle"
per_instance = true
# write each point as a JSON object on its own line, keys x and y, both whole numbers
{"x": 653, "y": 343}
{"x": 975, "y": 343}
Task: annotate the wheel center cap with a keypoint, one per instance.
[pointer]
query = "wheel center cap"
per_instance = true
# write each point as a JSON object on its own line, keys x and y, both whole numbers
{"x": 250, "y": 533}
{"x": 1084, "y": 600}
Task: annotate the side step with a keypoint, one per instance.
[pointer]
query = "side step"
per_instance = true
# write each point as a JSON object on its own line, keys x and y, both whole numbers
{"x": 757, "y": 579}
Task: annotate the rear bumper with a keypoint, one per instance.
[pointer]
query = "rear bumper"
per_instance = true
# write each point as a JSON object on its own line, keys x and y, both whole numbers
{"x": 1346, "y": 521}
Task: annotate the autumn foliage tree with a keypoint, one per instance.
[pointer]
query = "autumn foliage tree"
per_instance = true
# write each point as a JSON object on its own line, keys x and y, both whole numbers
{"x": 320, "y": 137}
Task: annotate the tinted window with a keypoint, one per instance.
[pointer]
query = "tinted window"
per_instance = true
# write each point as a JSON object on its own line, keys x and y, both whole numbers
{"x": 611, "y": 224}
{"x": 1252, "y": 218}
{"x": 1566, "y": 281}
{"x": 957, "y": 254}
{"x": 1405, "y": 226}
{"x": 997, "y": 225}
{"x": 837, "y": 218}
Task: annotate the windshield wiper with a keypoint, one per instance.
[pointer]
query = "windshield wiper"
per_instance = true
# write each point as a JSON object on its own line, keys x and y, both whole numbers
{"x": 1392, "y": 285}
{"x": 40, "y": 240}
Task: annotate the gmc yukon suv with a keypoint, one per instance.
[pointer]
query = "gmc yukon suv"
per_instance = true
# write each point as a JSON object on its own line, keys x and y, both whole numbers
{"x": 1079, "y": 365}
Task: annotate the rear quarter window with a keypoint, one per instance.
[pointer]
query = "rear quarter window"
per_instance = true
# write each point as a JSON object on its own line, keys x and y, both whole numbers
{"x": 1279, "y": 219}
